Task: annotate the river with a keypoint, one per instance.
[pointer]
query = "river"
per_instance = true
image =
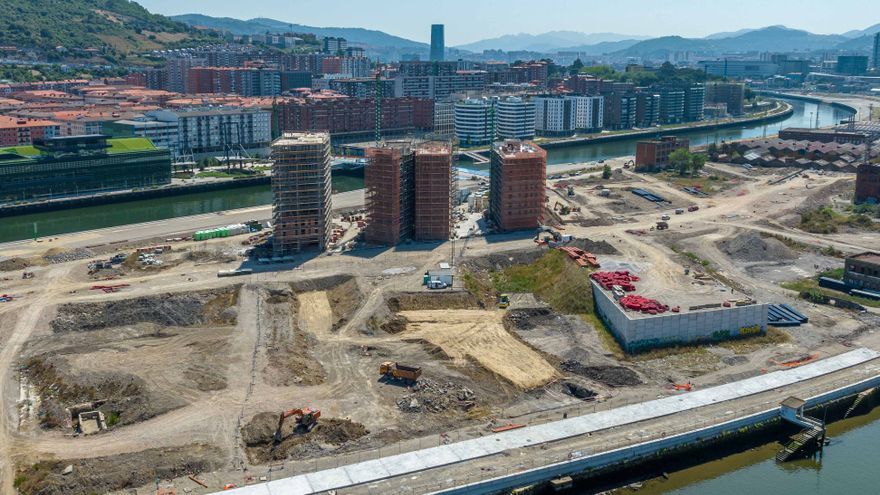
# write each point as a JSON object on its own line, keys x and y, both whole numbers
{"x": 87, "y": 218}
{"x": 849, "y": 465}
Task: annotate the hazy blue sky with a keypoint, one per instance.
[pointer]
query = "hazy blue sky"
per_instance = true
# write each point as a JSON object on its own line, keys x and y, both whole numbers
{"x": 472, "y": 20}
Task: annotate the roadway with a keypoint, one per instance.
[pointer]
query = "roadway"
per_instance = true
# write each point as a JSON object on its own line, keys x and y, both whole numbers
{"x": 172, "y": 227}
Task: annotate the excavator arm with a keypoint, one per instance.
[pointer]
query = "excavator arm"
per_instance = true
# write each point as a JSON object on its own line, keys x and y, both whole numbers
{"x": 305, "y": 417}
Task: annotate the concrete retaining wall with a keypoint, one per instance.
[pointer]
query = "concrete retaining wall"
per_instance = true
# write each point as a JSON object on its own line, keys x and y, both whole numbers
{"x": 647, "y": 449}
{"x": 637, "y": 333}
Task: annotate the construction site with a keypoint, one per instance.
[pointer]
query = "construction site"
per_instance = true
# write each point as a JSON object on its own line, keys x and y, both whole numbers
{"x": 191, "y": 367}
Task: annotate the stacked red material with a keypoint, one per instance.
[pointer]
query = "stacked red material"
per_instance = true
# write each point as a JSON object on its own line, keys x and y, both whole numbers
{"x": 609, "y": 279}
{"x": 643, "y": 304}
{"x": 581, "y": 257}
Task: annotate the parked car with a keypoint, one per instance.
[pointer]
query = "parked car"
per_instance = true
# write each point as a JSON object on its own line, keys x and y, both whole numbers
{"x": 436, "y": 284}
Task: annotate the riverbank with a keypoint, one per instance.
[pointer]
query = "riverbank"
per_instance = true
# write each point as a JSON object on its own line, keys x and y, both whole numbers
{"x": 781, "y": 112}
{"x": 809, "y": 98}
{"x": 343, "y": 181}
{"x": 67, "y": 220}
{"x": 847, "y": 465}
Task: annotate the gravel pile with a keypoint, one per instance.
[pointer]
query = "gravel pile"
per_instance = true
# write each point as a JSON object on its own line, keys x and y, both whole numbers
{"x": 612, "y": 376}
{"x": 72, "y": 255}
{"x": 433, "y": 397}
{"x": 752, "y": 247}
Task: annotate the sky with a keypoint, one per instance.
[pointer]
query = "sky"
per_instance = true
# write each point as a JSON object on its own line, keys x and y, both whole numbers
{"x": 472, "y": 20}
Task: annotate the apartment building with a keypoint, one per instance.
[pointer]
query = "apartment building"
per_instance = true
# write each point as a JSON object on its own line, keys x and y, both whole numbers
{"x": 301, "y": 192}
{"x": 517, "y": 180}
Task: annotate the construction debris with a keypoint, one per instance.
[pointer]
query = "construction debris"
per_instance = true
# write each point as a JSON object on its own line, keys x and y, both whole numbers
{"x": 56, "y": 255}
{"x": 433, "y": 397}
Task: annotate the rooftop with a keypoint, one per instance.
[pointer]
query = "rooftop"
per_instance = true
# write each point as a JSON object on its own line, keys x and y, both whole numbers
{"x": 298, "y": 138}
{"x": 7, "y": 122}
{"x": 515, "y": 148}
{"x": 119, "y": 145}
{"x": 868, "y": 257}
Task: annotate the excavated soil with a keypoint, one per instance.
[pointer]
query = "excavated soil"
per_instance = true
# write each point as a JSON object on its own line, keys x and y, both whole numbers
{"x": 13, "y": 264}
{"x": 752, "y": 247}
{"x": 595, "y": 247}
{"x": 116, "y": 472}
{"x": 126, "y": 396}
{"x": 415, "y": 301}
{"x": 288, "y": 354}
{"x": 500, "y": 261}
{"x": 612, "y": 376}
{"x": 208, "y": 307}
{"x": 329, "y": 435}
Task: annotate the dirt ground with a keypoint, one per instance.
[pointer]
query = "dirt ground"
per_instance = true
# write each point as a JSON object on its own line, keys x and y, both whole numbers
{"x": 181, "y": 359}
{"x": 325, "y": 437}
{"x": 480, "y": 336}
{"x": 118, "y": 472}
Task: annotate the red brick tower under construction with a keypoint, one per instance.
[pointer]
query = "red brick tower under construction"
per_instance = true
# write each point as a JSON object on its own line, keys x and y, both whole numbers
{"x": 517, "y": 185}
{"x": 434, "y": 192}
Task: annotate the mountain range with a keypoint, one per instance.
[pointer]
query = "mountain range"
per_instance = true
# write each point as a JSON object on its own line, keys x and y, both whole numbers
{"x": 771, "y": 38}
{"x": 546, "y": 42}
{"x": 367, "y": 37}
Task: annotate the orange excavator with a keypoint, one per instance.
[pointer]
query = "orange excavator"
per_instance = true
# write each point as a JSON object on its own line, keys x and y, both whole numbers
{"x": 306, "y": 419}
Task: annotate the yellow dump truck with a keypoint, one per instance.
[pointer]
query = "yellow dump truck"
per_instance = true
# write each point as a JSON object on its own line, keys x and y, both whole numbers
{"x": 397, "y": 371}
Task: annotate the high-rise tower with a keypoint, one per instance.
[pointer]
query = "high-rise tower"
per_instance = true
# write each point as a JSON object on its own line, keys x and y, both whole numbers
{"x": 438, "y": 43}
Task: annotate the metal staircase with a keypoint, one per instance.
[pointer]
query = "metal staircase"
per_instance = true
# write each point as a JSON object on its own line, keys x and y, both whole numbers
{"x": 860, "y": 399}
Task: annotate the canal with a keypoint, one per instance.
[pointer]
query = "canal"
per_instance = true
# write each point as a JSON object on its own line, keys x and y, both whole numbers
{"x": 94, "y": 217}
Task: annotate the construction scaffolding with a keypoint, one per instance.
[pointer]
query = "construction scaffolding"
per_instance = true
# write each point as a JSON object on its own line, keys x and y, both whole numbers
{"x": 301, "y": 192}
{"x": 389, "y": 178}
{"x": 434, "y": 192}
{"x": 517, "y": 185}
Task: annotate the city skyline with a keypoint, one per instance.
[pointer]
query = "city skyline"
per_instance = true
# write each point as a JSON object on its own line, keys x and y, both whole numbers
{"x": 412, "y": 20}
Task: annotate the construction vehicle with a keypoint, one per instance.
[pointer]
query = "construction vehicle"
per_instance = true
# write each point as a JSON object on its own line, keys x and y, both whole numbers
{"x": 397, "y": 371}
{"x": 662, "y": 225}
{"x": 552, "y": 240}
{"x": 687, "y": 387}
{"x": 306, "y": 419}
{"x": 504, "y": 301}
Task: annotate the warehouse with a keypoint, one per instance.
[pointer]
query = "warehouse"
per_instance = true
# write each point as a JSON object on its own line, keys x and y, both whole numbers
{"x": 638, "y": 331}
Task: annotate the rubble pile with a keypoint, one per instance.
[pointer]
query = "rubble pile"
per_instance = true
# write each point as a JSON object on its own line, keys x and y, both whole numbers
{"x": 426, "y": 395}
{"x": 66, "y": 256}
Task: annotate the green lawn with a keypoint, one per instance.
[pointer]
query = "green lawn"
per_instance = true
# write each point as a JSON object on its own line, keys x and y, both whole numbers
{"x": 122, "y": 145}
{"x": 119, "y": 145}
{"x": 21, "y": 150}
{"x": 708, "y": 184}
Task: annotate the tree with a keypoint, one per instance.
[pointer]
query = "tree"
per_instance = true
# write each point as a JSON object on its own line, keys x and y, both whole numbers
{"x": 712, "y": 149}
{"x": 680, "y": 160}
{"x": 606, "y": 172}
{"x": 697, "y": 162}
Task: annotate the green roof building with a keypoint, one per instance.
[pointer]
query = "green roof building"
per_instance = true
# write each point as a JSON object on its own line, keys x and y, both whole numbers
{"x": 72, "y": 165}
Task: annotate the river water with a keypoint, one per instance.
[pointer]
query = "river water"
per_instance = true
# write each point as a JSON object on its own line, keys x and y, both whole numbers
{"x": 87, "y": 218}
{"x": 849, "y": 465}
